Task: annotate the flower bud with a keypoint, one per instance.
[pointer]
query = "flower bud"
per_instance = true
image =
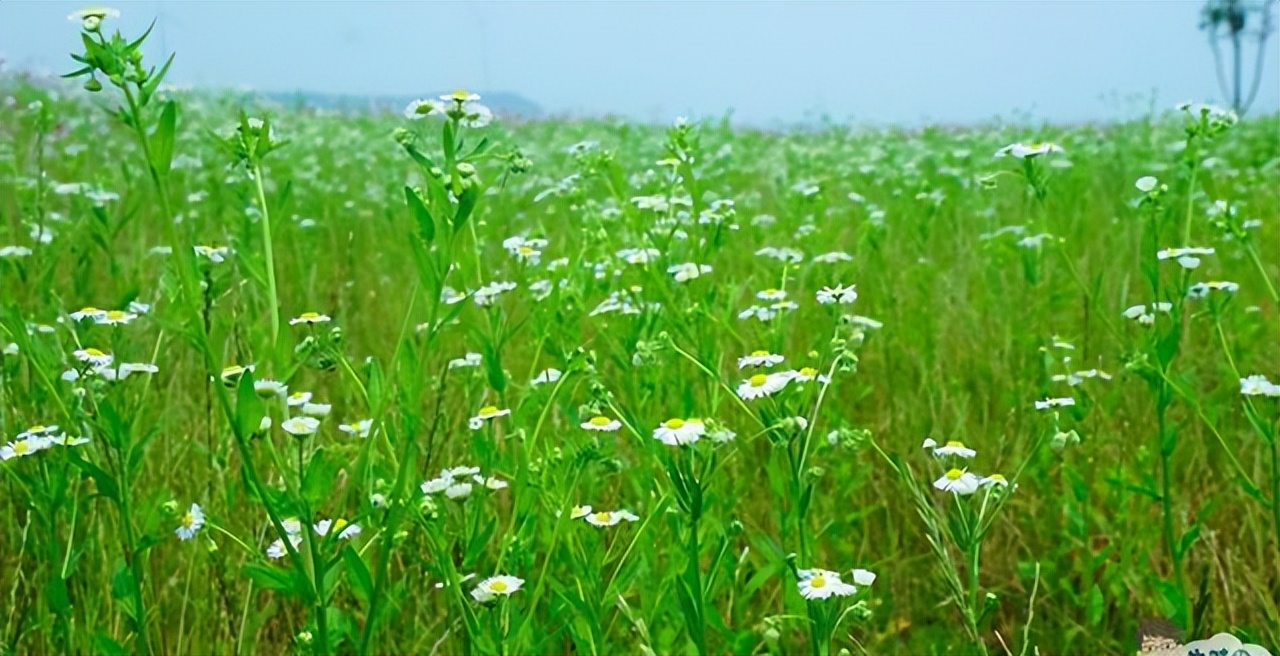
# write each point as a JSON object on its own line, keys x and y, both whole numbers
{"x": 93, "y": 85}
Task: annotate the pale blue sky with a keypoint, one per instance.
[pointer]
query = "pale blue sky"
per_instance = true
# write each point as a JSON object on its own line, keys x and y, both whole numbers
{"x": 902, "y": 61}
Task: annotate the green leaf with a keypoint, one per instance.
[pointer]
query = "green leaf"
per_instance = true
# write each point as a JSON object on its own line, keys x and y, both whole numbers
{"x": 249, "y": 409}
{"x": 1095, "y": 606}
{"x": 106, "y": 645}
{"x": 105, "y": 482}
{"x": 273, "y": 578}
{"x": 55, "y": 595}
{"x": 162, "y": 140}
{"x": 153, "y": 82}
{"x": 1189, "y": 538}
{"x": 466, "y": 204}
{"x": 357, "y": 573}
{"x": 426, "y": 223}
{"x": 318, "y": 481}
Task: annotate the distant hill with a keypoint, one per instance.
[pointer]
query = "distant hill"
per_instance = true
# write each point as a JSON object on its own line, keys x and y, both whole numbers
{"x": 501, "y": 102}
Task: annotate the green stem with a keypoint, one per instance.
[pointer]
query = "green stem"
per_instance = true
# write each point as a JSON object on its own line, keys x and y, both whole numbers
{"x": 269, "y": 253}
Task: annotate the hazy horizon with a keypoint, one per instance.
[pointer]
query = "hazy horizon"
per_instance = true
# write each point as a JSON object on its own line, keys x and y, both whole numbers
{"x": 948, "y": 61}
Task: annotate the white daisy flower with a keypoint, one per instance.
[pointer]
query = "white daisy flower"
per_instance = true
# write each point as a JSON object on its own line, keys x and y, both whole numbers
{"x": 359, "y": 429}
{"x": 929, "y": 443}
{"x": 610, "y": 517}
{"x": 1258, "y": 385}
{"x": 838, "y": 294}
{"x": 823, "y": 584}
{"x": 298, "y": 399}
{"x": 277, "y": 549}
{"x": 600, "y": 423}
{"x": 458, "y": 490}
{"x": 954, "y": 448}
{"x": 496, "y": 586}
{"x": 468, "y": 360}
{"x": 316, "y": 409}
{"x": 1026, "y": 151}
{"x": 490, "y": 482}
{"x": 959, "y": 482}
{"x": 864, "y": 578}
{"x": 759, "y": 359}
{"x": 678, "y": 432}
{"x": 191, "y": 523}
{"x": 688, "y": 271}
{"x": 807, "y": 374}
{"x": 1146, "y": 183}
{"x": 721, "y": 435}
{"x": 420, "y": 109}
{"x": 547, "y": 376}
{"x": 24, "y": 447}
{"x": 1202, "y": 289}
{"x": 300, "y": 426}
{"x": 771, "y": 294}
{"x": 114, "y": 318}
{"x": 1059, "y": 402}
{"x": 268, "y": 388}
{"x": 486, "y": 413}
{"x": 436, "y": 485}
{"x": 215, "y": 254}
{"x": 93, "y": 356}
{"x": 761, "y": 385}
{"x": 345, "y": 530}
{"x": 833, "y": 257}
{"x": 124, "y": 369}
{"x": 994, "y": 480}
{"x": 578, "y": 512}
{"x": 310, "y": 318}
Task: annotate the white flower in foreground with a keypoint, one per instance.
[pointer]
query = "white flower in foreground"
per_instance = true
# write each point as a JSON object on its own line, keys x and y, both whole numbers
{"x": 1146, "y": 184}
{"x": 359, "y": 429}
{"x": 345, "y": 531}
{"x": 489, "y": 483}
{"x": 468, "y": 360}
{"x": 298, "y": 399}
{"x": 124, "y": 369}
{"x": 191, "y": 523}
{"x": 1059, "y": 402}
{"x": 215, "y": 254}
{"x": 863, "y": 577}
{"x": 300, "y": 426}
{"x": 93, "y": 356}
{"x": 761, "y": 385}
{"x": 1028, "y": 150}
{"x": 838, "y": 294}
{"x": 600, "y": 423}
{"x": 1258, "y": 385}
{"x": 678, "y": 432}
{"x": 23, "y": 447}
{"x": 823, "y": 584}
{"x": 994, "y": 480}
{"x": 610, "y": 517}
{"x": 772, "y": 294}
{"x": 277, "y": 549}
{"x": 807, "y": 374}
{"x": 954, "y": 448}
{"x": 547, "y": 376}
{"x": 688, "y": 271}
{"x": 318, "y": 410}
{"x": 957, "y": 481}
{"x": 15, "y": 251}
{"x": 486, "y": 413}
{"x": 494, "y": 586}
{"x": 929, "y": 443}
{"x": 833, "y": 257}
{"x": 267, "y": 388}
{"x": 1175, "y": 253}
{"x": 458, "y": 490}
{"x": 88, "y": 312}
{"x": 759, "y": 359}
{"x": 420, "y": 109}
{"x": 721, "y": 435}
{"x": 310, "y": 318}
{"x": 578, "y": 512}
{"x": 1202, "y": 289}
{"x": 114, "y": 318}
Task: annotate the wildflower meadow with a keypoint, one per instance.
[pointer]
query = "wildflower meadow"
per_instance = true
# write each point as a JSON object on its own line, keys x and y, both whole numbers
{"x": 282, "y": 380}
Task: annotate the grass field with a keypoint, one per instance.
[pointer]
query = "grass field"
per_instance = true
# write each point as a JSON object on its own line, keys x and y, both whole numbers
{"x": 463, "y": 332}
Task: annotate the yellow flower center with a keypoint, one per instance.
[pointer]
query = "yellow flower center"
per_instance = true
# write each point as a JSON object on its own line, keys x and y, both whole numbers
{"x": 954, "y": 475}
{"x": 674, "y": 424}
{"x": 115, "y": 315}
{"x": 21, "y": 447}
{"x": 579, "y": 511}
{"x": 997, "y": 478}
{"x": 525, "y": 250}
{"x": 498, "y": 586}
{"x": 602, "y": 517}
{"x": 758, "y": 380}
{"x": 38, "y": 428}
{"x": 758, "y": 354}
{"x": 188, "y": 519}
{"x": 460, "y": 95}
{"x": 818, "y": 581}
{"x": 771, "y": 291}
{"x": 309, "y": 315}
{"x": 93, "y": 352}
{"x": 90, "y": 310}
{"x": 339, "y": 524}
{"x": 955, "y": 444}
{"x": 808, "y": 372}
{"x": 599, "y": 421}
{"x": 488, "y": 411}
